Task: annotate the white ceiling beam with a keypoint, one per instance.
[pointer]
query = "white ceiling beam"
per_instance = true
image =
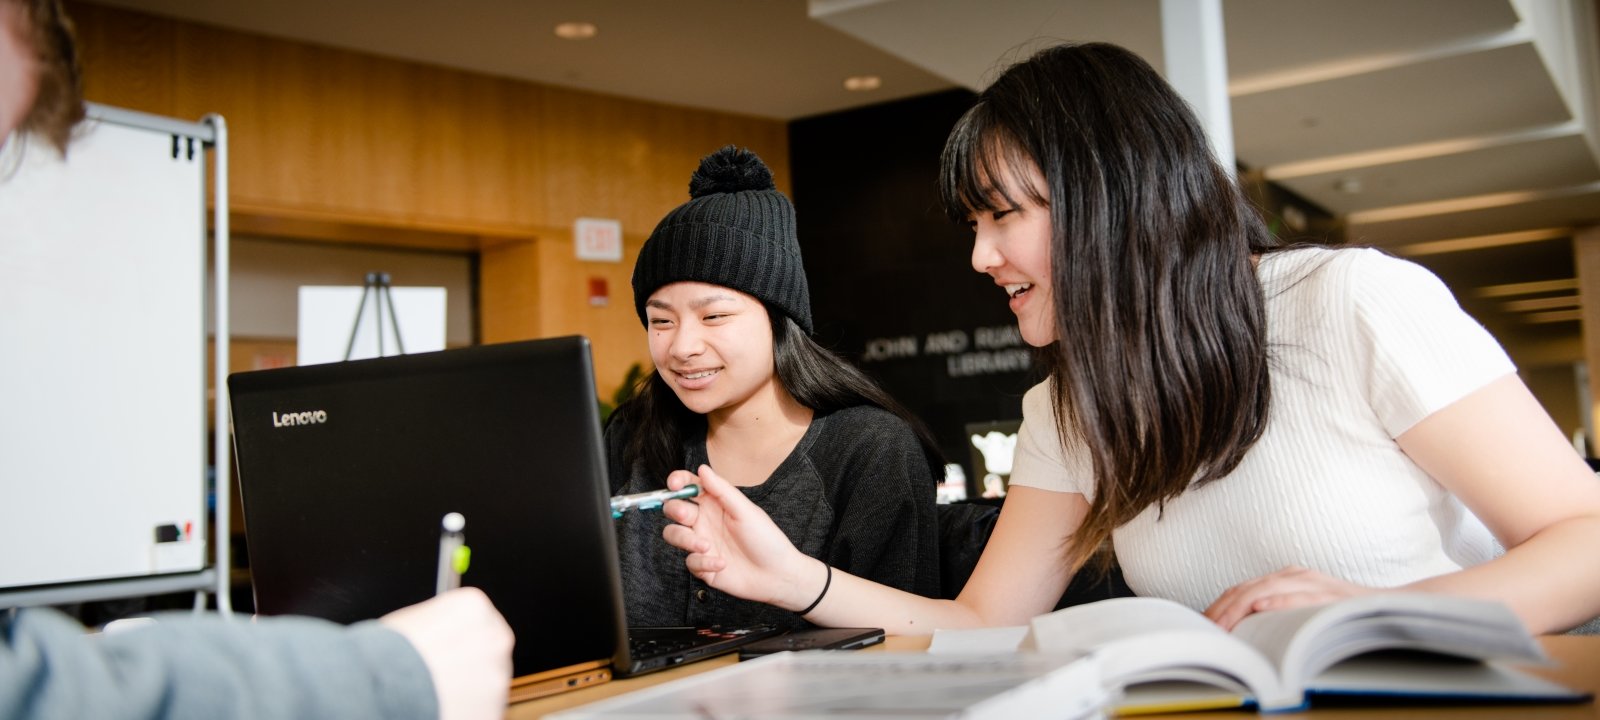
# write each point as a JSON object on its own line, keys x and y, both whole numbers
{"x": 1554, "y": 316}
{"x": 816, "y": 9}
{"x": 1465, "y": 204}
{"x": 1559, "y": 302}
{"x": 1323, "y": 72}
{"x": 1418, "y": 151}
{"x": 1526, "y": 288}
{"x": 1481, "y": 242}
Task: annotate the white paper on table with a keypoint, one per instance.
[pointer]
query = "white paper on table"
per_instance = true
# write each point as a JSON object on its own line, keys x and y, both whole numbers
{"x": 981, "y": 640}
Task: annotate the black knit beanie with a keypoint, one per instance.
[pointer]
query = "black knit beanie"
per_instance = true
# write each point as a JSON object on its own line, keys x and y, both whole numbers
{"x": 736, "y": 231}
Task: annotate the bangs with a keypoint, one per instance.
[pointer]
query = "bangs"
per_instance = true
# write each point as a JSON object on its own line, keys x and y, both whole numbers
{"x": 983, "y": 168}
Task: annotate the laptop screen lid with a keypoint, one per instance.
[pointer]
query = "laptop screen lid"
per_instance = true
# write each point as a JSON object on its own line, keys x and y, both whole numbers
{"x": 347, "y": 469}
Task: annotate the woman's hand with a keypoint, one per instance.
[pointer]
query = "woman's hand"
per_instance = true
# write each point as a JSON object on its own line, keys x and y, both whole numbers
{"x": 1290, "y": 587}
{"x": 735, "y": 547}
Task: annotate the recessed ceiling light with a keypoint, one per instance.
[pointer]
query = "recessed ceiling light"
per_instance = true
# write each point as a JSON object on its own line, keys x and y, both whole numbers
{"x": 576, "y": 30}
{"x": 1348, "y": 185}
{"x": 862, "y": 83}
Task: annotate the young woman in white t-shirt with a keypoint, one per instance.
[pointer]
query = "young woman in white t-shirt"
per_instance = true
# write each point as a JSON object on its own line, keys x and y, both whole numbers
{"x": 1252, "y": 427}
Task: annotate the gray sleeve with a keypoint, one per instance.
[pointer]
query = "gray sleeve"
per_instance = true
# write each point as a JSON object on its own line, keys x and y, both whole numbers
{"x": 205, "y": 667}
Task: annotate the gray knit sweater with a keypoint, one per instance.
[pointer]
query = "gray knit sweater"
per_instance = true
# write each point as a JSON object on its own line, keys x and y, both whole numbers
{"x": 856, "y": 492}
{"x": 205, "y": 667}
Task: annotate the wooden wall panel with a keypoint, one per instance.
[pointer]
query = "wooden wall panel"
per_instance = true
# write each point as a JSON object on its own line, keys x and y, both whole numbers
{"x": 363, "y": 145}
{"x": 642, "y": 141}
{"x": 508, "y": 301}
{"x": 614, "y": 329}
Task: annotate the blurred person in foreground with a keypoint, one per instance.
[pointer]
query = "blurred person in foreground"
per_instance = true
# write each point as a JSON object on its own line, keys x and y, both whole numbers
{"x": 448, "y": 657}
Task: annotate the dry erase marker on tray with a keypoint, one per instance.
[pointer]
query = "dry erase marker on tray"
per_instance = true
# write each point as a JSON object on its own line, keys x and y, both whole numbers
{"x": 650, "y": 500}
{"x": 454, "y": 555}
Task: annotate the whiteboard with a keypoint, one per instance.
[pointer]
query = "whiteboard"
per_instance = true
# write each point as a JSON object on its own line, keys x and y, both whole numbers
{"x": 328, "y": 315}
{"x": 102, "y": 357}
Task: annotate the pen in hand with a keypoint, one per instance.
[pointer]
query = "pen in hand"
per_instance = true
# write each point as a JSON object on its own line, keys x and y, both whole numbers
{"x": 454, "y": 555}
{"x": 650, "y": 500}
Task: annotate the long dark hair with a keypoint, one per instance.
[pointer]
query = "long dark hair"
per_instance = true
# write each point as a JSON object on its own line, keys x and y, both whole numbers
{"x": 1160, "y": 365}
{"x": 657, "y": 422}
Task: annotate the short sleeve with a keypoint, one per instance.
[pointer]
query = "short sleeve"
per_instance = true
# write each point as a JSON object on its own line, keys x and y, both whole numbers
{"x": 1040, "y": 460}
{"x": 1425, "y": 351}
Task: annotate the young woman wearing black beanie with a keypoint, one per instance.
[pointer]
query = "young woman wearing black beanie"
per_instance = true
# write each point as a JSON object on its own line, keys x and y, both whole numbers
{"x": 739, "y": 385}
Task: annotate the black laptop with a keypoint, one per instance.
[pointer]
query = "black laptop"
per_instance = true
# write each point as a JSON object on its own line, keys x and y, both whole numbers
{"x": 346, "y": 470}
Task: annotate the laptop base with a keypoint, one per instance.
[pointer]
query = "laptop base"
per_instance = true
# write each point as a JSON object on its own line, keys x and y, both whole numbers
{"x": 559, "y": 680}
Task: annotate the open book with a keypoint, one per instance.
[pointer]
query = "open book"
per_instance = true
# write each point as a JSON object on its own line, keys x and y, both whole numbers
{"x": 1167, "y": 657}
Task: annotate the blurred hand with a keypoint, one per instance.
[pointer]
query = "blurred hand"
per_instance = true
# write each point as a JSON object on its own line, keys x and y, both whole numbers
{"x": 1290, "y": 587}
{"x": 466, "y": 645}
{"x": 736, "y": 548}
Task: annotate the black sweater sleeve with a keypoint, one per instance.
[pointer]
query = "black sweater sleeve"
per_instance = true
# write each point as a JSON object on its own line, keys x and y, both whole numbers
{"x": 883, "y": 491}
{"x": 616, "y": 440}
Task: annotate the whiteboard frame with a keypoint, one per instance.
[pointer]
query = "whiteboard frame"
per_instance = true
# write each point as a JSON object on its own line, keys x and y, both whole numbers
{"x": 211, "y": 132}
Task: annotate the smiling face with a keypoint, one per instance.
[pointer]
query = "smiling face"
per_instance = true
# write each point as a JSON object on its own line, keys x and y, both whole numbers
{"x": 712, "y": 345}
{"x": 1012, "y": 245}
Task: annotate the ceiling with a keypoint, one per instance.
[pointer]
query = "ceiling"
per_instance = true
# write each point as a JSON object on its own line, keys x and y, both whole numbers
{"x": 1459, "y": 132}
{"x": 750, "y": 57}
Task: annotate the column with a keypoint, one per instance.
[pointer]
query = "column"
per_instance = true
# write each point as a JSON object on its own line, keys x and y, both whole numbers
{"x": 1197, "y": 66}
{"x": 1586, "y": 257}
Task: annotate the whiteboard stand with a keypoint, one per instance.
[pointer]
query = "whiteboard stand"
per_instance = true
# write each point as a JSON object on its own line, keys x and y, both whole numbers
{"x": 68, "y": 536}
{"x": 380, "y": 289}
{"x": 325, "y": 333}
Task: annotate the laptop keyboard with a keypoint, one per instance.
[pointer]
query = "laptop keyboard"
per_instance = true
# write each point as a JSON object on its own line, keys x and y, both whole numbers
{"x": 656, "y": 642}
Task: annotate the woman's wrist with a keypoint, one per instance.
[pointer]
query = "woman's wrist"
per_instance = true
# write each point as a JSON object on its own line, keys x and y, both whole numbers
{"x": 811, "y": 578}
{"x": 826, "y": 583}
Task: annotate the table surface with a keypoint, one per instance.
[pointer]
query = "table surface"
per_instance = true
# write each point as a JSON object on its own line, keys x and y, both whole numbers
{"x": 1577, "y": 666}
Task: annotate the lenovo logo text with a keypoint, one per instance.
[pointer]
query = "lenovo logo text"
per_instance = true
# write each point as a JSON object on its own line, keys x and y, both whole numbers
{"x": 310, "y": 417}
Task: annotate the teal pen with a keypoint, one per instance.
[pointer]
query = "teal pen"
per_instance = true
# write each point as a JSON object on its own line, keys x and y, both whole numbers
{"x": 650, "y": 500}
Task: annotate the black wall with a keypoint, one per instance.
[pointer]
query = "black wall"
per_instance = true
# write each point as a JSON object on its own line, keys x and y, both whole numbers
{"x": 888, "y": 270}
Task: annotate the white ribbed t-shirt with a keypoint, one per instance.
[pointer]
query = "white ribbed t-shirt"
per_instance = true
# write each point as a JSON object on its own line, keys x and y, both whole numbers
{"x": 1362, "y": 347}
